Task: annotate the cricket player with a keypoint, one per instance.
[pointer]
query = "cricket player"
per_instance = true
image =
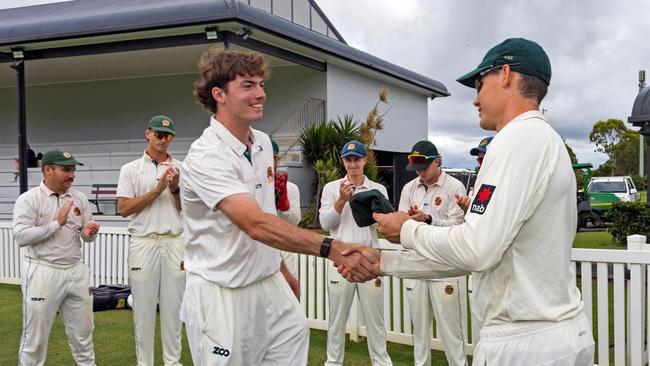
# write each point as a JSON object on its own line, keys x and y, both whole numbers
{"x": 431, "y": 198}
{"x": 238, "y": 308}
{"x": 287, "y": 202}
{"x": 49, "y": 223}
{"x": 518, "y": 233}
{"x": 336, "y": 217}
{"x": 148, "y": 193}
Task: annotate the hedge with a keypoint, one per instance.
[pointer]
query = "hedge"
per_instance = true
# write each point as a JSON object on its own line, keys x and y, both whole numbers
{"x": 628, "y": 218}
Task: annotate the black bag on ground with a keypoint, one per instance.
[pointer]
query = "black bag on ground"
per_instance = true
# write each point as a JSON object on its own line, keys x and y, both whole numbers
{"x": 110, "y": 297}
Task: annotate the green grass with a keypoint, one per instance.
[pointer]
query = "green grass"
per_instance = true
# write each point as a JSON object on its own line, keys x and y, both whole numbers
{"x": 595, "y": 240}
{"x": 114, "y": 340}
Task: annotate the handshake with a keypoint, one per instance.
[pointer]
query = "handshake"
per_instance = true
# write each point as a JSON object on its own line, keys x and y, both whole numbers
{"x": 359, "y": 263}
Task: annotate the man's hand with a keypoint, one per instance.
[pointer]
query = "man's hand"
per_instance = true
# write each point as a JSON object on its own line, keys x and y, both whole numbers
{"x": 359, "y": 266}
{"x": 90, "y": 229}
{"x": 345, "y": 190}
{"x": 62, "y": 216}
{"x": 416, "y": 214}
{"x": 390, "y": 225}
{"x": 372, "y": 255}
{"x": 463, "y": 202}
{"x": 163, "y": 182}
{"x": 172, "y": 176}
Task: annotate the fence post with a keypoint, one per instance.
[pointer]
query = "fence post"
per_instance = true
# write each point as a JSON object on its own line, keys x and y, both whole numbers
{"x": 636, "y": 305}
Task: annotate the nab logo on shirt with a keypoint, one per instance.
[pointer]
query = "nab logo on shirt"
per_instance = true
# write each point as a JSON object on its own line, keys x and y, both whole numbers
{"x": 482, "y": 199}
{"x": 38, "y": 299}
{"x": 220, "y": 351}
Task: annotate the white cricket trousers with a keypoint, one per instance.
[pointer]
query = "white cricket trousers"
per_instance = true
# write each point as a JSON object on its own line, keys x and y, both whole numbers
{"x": 157, "y": 278}
{"x": 371, "y": 297}
{"x": 49, "y": 288}
{"x": 565, "y": 343}
{"x": 259, "y": 324}
{"x": 439, "y": 298}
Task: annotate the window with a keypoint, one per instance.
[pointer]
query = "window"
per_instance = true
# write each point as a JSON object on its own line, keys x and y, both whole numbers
{"x": 608, "y": 187}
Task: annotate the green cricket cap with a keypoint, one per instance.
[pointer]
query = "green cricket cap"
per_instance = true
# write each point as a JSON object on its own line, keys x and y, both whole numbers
{"x": 523, "y": 56}
{"x": 363, "y": 204}
{"x": 276, "y": 147}
{"x": 162, "y": 124}
{"x": 58, "y": 157}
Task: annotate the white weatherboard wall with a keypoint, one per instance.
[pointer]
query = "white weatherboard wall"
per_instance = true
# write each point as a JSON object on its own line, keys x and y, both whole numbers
{"x": 352, "y": 93}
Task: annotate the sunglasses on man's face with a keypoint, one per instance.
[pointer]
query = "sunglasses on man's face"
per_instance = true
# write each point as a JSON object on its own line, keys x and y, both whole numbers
{"x": 419, "y": 159}
{"x": 164, "y": 136}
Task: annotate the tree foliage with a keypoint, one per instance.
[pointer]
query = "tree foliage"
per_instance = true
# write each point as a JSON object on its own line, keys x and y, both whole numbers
{"x": 620, "y": 144}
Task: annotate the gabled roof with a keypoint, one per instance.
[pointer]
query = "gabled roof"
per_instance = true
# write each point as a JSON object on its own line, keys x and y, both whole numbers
{"x": 35, "y": 27}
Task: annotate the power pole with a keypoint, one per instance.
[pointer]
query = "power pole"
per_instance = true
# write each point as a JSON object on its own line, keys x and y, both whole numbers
{"x": 641, "y": 137}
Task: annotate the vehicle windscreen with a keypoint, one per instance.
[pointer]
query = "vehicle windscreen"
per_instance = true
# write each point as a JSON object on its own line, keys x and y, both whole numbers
{"x": 608, "y": 187}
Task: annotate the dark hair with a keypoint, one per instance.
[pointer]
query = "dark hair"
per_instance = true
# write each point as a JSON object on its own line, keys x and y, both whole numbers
{"x": 531, "y": 87}
{"x": 218, "y": 67}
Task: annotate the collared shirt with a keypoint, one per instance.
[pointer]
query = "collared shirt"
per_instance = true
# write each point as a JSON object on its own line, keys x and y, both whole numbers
{"x": 342, "y": 226}
{"x": 438, "y": 200}
{"x": 37, "y": 230}
{"x": 160, "y": 216}
{"x": 216, "y": 168}
{"x": 518, "y": 233}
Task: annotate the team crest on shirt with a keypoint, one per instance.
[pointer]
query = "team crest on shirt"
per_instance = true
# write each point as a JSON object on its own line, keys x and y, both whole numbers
{"x": 449, "y": 289}
{"x": 269, "y": 175}
{"x": 482, "y": 199}
{"x": 77, "y": 211}
{"x": 437, "y": 201}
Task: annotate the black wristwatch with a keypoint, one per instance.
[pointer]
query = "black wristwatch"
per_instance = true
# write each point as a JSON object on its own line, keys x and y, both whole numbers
{"x": 176, "y": 191}
{"x": 325, "y": 247}
{"x": 429, "y": 220}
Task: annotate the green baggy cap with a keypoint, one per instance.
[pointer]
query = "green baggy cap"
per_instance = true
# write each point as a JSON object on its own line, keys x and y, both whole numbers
{"x": 162, "y": 124}
{"x": 363, "y": 204}
{"x": 57, "y": 157}
{"x": 523, "y": 56}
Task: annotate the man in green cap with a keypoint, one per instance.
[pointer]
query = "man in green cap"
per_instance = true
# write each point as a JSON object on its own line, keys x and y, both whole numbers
{"x": 517, "y": 236}
{"x": 49, "y": 222}
{"x": 287, "y": 203}
{"x": 148, "y": 192}
{"x": 431, "y": 198}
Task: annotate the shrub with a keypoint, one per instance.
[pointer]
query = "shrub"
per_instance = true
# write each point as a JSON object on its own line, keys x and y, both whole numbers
{"x": 628, "y": 218}
{"x": 639, "y": 182}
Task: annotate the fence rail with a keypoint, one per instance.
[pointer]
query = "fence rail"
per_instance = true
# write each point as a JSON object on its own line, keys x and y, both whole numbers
{"x": 620, "y": 278}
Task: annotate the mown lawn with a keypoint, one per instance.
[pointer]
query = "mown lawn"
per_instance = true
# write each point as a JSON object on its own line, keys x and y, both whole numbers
{"x": 114, "y": 343}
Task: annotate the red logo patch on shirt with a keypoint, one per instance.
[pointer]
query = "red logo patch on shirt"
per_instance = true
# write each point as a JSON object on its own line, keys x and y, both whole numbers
{"x": 482, "y": 198}
{"x": 437, "y": 201}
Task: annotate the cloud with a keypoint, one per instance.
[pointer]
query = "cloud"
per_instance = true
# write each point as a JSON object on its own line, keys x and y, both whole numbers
{"x": 596, "y": 50}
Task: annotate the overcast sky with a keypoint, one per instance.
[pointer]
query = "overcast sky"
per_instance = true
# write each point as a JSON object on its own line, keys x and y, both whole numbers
{"x": 596, "y": 49}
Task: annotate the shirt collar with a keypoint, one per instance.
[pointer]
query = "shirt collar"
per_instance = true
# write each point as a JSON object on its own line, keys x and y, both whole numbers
{"x": 50, "y": 192}
{"x": 440, "y": 182}
{"x": 365, "y": 184}
{"x": 169, "y": 160}
{"x": 230, "y": 140}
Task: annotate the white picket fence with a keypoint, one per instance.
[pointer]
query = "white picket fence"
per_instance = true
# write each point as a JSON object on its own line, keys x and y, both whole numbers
{"x": 622, "y": 274}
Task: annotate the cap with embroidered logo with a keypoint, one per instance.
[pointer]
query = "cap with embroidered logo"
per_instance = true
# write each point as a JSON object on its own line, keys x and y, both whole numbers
{"x": 58, "y": 157}
{"x": 162, "y": 124}
{"x": 353, "y": 148}
{"x": 422, "y": 155}
{"x": 522, "y": 55}
{"x": 482, "y": 146}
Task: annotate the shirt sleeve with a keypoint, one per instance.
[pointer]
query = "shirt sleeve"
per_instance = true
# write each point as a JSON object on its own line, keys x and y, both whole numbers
{"x": 213, "y": 178}
{"x": 404, "y": 203}
{"x": 509, "y": 191}
{"x": 329, "y": 218}
{"x": 409, "y": 264}
{"x": 293, "y": 215}
{"x": 26, "y": 232}
{"x": 125, "y": 183}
